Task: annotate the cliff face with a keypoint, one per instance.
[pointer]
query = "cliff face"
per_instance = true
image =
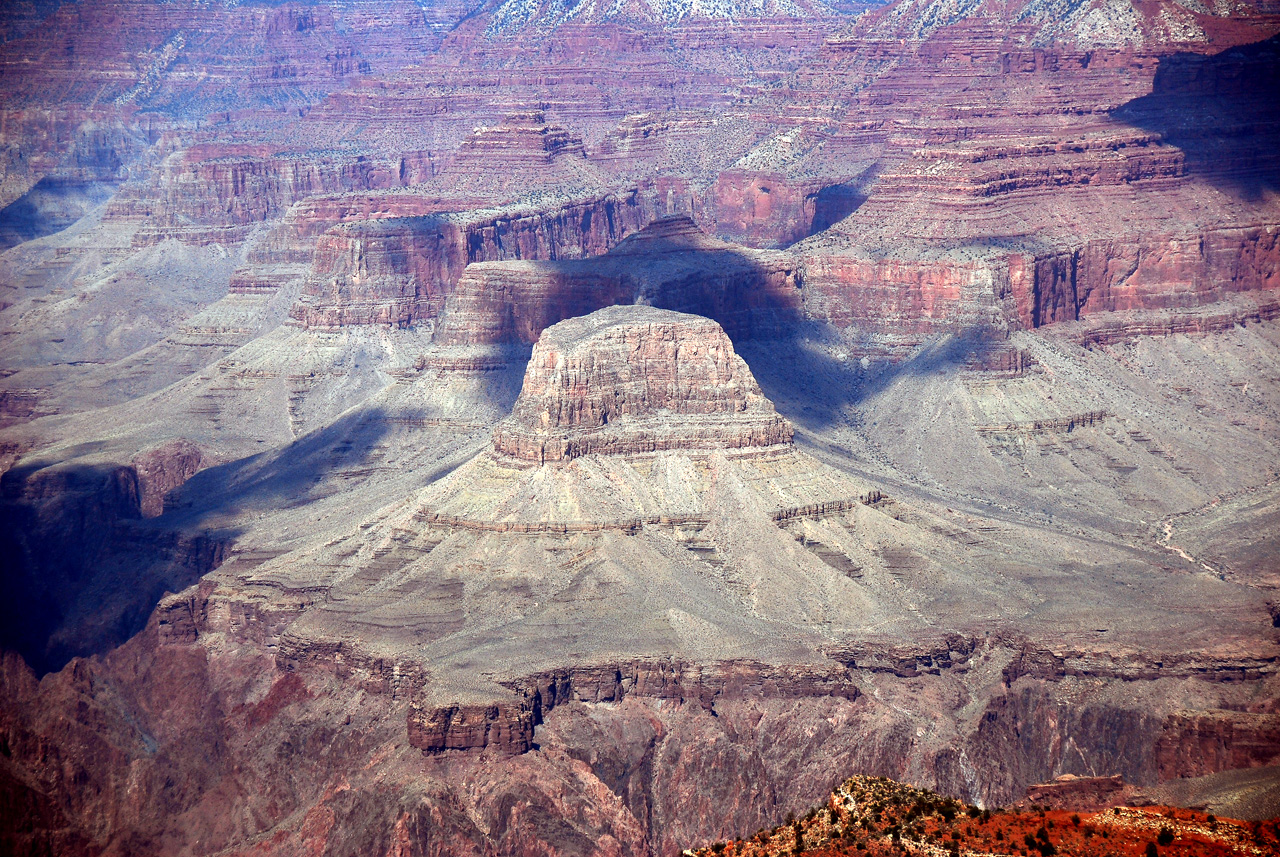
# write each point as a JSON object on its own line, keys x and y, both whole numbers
{"x": 400, "y": 271}
{"x": 670, "y": 263}
{"x": 84, "y": 566}
{"x": 669, "y": 756}
{"x": 1183, "y": 272}
{"x": 937, "y": 195}
{"x": 633, "y": 379}
{"x": 902, "y": 400}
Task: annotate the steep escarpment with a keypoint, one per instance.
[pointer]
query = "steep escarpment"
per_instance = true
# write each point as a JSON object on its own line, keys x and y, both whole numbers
{"x": 650, "y": 755}
{"x": 1178, "y": 273}
{"x": 957, "y": 224}
{"x": 630, "y": 379}
{"x": 670, "y": 263}
{"x": 215, "y": 193}
{"x": 903, "y": 400}
{"x": 401, "y": 270}
{"x": 84, "y": 567}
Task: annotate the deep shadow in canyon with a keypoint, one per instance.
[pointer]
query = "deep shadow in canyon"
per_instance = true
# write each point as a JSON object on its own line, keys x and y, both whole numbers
{"x": 49, "y": 207}
{"x": 85, "y": 568}
{"x": 82, "y": 567}
{"x": 813, "y": 382}
{"x": 1222, "y": 111}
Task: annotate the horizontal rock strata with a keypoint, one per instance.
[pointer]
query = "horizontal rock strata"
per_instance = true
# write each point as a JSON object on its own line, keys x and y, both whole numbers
{"x": 671, "y": 263}
{"x": 634, "y": 380}
{"x": 509, "y": 725}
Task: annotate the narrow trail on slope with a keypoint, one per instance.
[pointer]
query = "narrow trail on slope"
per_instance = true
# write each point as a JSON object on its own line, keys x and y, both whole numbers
{"x": 1166, "y": 538}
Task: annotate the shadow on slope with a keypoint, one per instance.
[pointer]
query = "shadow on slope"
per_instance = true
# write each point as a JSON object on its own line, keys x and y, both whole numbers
{"x": 1222, "y": 112}
{"x": 83, "y": 569}
{"x": 814, "y": 381}
{"x": 319, "y": 464}
{"x": 49, "y": 207}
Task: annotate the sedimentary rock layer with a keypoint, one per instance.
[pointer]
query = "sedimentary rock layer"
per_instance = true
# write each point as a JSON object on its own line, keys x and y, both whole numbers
{"x": 671, "y": 263}
{"x": 634, "y": 379}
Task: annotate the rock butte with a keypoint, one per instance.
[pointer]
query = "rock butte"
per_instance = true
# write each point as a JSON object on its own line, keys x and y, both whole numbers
{"x": 635, "y": 379}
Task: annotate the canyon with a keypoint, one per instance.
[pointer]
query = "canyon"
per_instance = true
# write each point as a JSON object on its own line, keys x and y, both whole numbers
{"x": 510, "y": 428}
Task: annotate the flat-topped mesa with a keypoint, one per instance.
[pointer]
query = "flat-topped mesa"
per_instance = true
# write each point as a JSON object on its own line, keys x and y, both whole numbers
{"x": 632, "y": 380}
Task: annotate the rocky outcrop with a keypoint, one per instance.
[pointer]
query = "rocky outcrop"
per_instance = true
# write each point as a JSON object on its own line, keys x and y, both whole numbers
{"x": 881, "y": 815}
{"x": 400, "y": 270}
{"x": 1196, "y": 743}
{"x": 1152, "y": 273}
{"x": 1040, "y": 662}
{"x": 504, "y": 727}
{"x": 930, "y": 658}
{"x": 671, "y": 263}
{"x": 390, "y": 272}
{"x": 702, "y": 684}
{"x": 632, "y": 380}
{"x": 510, "y": 726}
{"x": 219, "y": 192}
{"x": 521, "y": 143}
{"x": 161, "y": 469}
{"x": 1109, "y": 329}
{"x": 1079, "y": 794}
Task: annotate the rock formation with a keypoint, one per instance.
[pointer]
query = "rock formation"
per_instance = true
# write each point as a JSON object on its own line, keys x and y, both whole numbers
{"x": 670, "y": 263}
{"x": 868, "y": 815}
{"x": 632, "y": 380}
{"x": 903, "y": 401}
